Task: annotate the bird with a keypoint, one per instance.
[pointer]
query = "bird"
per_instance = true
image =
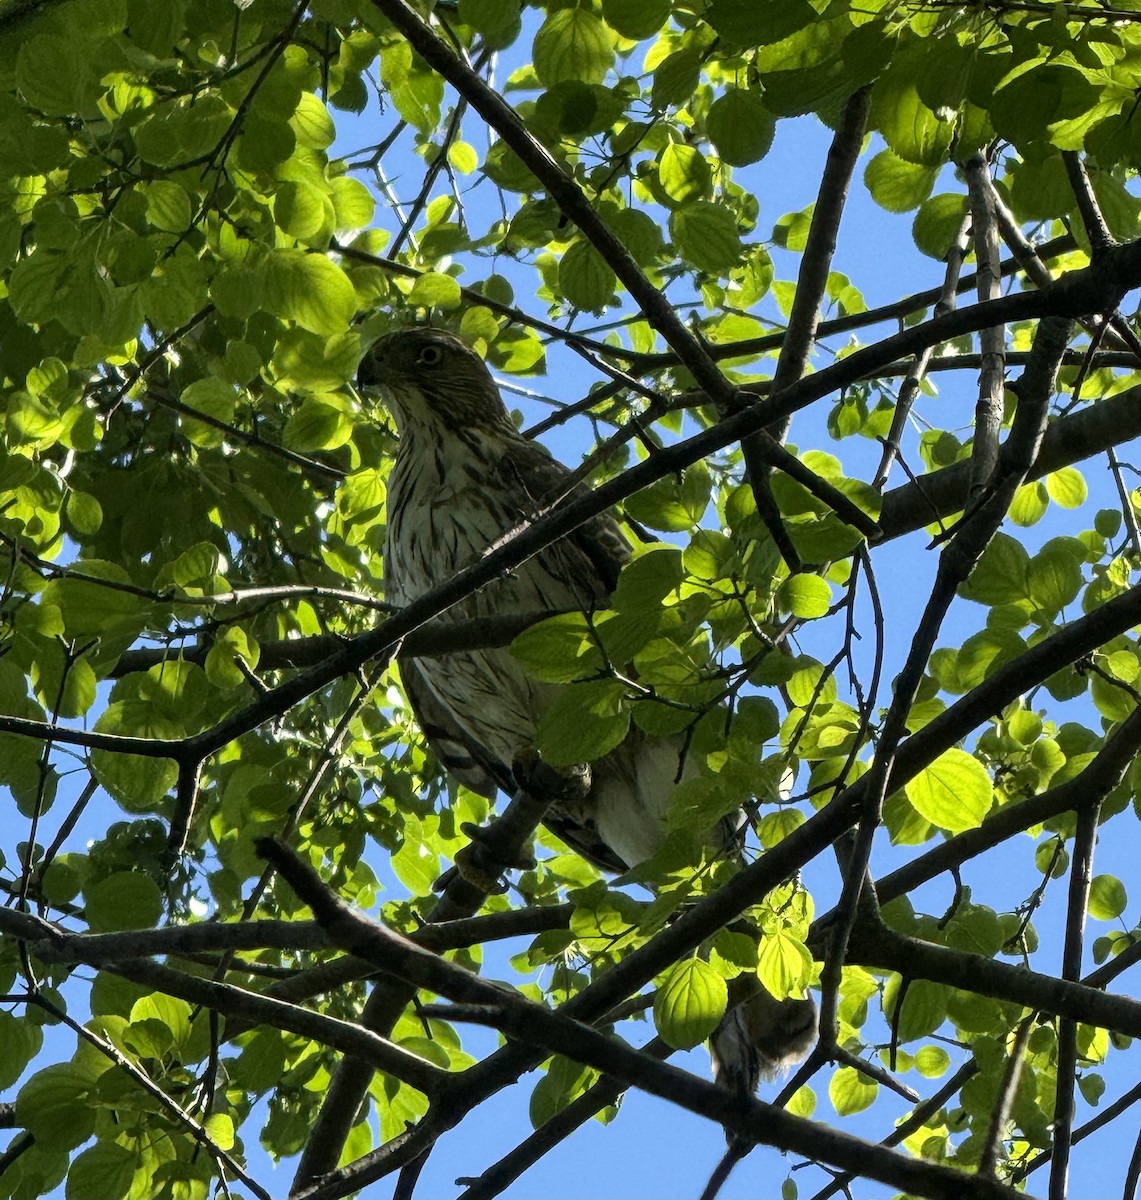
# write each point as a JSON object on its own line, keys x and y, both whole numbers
{"x": 464, "y": 476}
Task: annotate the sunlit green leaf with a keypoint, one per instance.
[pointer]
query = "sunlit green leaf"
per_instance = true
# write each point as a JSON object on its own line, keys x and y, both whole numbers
{"x": 954, "y": 792}
{"x": 689, "y": 1004}
{"x": 1107, "y": 898}
{"x": 572, "y": 44}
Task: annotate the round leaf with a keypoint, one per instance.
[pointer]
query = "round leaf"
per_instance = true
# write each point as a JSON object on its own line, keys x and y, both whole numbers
{"x": 706, "y": 236}
{"x": 572, "y": 44}
{"x": 635, "y": 19}
{"x": 851, "y": 1091}
{"x": 690, "y": 1004}
{"x": 683, "y": 173}
{"x": 740, "y": 126}
{"x": 585, "y": 279}
{"x": 806, "y": 596}
{"x": 954, "y": 792}
{"x": 1107, "y": 898}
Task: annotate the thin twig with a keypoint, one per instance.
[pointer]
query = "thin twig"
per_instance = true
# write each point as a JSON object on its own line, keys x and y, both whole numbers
{"x": 1008, "y": 1089}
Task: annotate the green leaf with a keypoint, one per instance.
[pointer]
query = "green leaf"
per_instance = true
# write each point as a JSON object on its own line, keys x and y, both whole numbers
{"x": 804, "y": 682}
{"x": 233, "y": 647}
{"x": 805, "y": 596}
{"x": 740, "y": 126}
{"x": 353, "y": 204}
{"x": 1029, "y": 504}
{"x": 954, "y": 792}
{"x": 561, "y": 649}
{"x": 312, "y": 123}
{"x": 676, "y": 78}
{"x": 648, "y": 580}
{"x": 415, "y": 864}
{"x": 214, "y": 398}
{"x": 220, "y": 1130}
{"x": 851, "y": 1091}
{"x": 463, "y": 157}
{"x": 1107, "y": 898}
{"x": 309, "y": 289}
{"x": 1092, "y": 1087}
{"x": 58, "y": 76}
{"x": 912, "y": 131}
{"x": 572, "y": 44}
{"x": 585, "y": 279}
{"x": 706, "y": 236}
{"x": 672, "y": 506}
{"x": 496, "y": 21}
{"x": 683, "y": 173}
{"x": 689, "y": 1004}
{"x": 89, "y": 608}
{"x": 932, "y": 1062}
{"x": 639, "y": 232}
{"x": 784, "y": 965}
{"x": 433, "y": 290}
{"x": 84, "y": 512}
{"x": 1054, "y": 578}
{"x": 1067, "y": 487}
{"x": 125, "y": 900}
{"x": 758, "y": 22}
{"x": 924, "y": 1007}
{"x": 1002, "y": 574}
{"x": 320, "y": 423}
{"x": 636, "y": 19}
{"x": 586, "y": 721}
{"x": 896, "y": 185}
{"x": 168, "y": 206}
{"x": 937, "y": 223}
{"x": 710, "y": 555}
{"x": 22, "y": 1042}
{"x": 173, "y": 1015}
{"x": 302, "y": 210}
{"x": 53, "y": 1107}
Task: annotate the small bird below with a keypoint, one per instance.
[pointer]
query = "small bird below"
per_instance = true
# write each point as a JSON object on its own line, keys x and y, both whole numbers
{"x": 463, "y": 477}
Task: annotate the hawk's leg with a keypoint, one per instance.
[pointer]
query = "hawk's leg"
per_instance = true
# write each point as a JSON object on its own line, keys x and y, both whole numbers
{"x": 483, "y": 862}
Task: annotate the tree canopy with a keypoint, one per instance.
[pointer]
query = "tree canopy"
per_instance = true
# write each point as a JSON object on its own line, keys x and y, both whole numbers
{"x": 210, "y": 209}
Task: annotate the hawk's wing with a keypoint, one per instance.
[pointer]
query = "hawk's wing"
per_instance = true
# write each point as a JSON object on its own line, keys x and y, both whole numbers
{"x": 464, "y": 758}
{"x": 597, "y": 549}
{"x": 472, "y": 765}
{"x": 588, "y": 562}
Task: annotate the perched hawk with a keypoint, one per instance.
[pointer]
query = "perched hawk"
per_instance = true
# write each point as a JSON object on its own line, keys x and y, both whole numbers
{"x": 463, "y": 477}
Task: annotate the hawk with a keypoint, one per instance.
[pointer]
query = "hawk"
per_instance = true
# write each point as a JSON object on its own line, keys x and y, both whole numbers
{"x": 463, "y": 477}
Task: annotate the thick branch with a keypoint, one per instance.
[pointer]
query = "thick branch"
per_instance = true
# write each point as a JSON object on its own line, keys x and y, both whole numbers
{"x": 505, "y": 838}
{"x": 230, "y": 1000}
{"x": 1068, "y": 440}
{"x": 555, "y": 1031}
{"x": 883, "y": 949}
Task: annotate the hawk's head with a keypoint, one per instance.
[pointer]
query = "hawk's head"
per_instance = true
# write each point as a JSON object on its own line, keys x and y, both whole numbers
{"x": 431, "y": 378}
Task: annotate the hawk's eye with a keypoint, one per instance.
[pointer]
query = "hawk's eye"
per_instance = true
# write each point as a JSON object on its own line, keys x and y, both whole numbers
{"x": 430, "y": 356}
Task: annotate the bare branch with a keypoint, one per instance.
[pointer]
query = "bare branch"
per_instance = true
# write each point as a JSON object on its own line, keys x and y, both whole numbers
{"x": 534, "y": 1023}
{"x": 988, "y": 411}
{"x": 1081, "y": 870}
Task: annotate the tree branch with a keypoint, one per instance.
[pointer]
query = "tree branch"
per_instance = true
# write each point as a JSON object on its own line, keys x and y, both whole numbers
{"x": 531, "y": 1022}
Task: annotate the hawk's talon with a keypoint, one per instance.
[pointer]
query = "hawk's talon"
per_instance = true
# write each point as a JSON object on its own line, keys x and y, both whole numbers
{"x": 567, "y": 785}
{"x": 481, "y": 866}
{"x": 480, "y": 835}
